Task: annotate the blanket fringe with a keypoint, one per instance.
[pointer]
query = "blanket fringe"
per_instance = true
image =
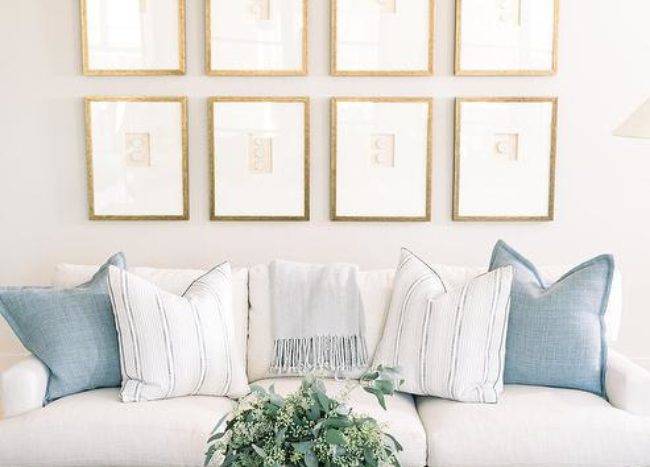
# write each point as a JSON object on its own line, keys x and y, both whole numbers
{"x": 330, "y": 353}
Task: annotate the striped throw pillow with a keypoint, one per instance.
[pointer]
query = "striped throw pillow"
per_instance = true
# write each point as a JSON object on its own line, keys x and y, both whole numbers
{"x": 173, "y": 346}
{"x": 447, "y": 343}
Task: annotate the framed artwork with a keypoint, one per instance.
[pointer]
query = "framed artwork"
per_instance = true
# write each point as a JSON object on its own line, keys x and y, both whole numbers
{"x": 504, "y": 165}
{"x": 132, "y": 37}
{"x": 382, "y": 37}
{"x": 381, "y": 159}
{"x": 506, "y": 37}
{"x": 136, "y": 150}
{"x": 259, "y": 158}
{"x": 256, "y": 37}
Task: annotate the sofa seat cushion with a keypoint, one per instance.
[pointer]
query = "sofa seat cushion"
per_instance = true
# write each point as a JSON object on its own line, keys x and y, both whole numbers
{"x": 401, "y": 418}
{"x": 96, "y": 429}
{"x": 534, "y": 426}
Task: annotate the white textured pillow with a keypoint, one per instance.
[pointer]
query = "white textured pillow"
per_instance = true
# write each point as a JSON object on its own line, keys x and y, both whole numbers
{"x": 173, "y": 346}
{"x": 447, "y": 343}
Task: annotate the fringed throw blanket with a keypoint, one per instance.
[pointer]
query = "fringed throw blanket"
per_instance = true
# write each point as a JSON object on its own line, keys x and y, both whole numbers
{"x": 318, "y": 319}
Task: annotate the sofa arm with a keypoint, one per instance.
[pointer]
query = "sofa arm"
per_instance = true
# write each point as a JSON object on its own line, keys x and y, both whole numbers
{"x": 23, "y": 387}
{"x": 627, "y": 385}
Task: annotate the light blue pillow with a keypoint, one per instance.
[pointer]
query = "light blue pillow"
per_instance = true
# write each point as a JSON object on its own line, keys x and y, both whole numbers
{"x": 72, "y": 331}
{"x": 556, "y": 332}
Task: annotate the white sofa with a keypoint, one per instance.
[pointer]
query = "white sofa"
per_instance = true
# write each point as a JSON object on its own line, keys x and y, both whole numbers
{"x": 529, "y": 426}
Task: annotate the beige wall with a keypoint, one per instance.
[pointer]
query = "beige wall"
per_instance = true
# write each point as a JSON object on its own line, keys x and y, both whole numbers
{"x": 603, "y": 183}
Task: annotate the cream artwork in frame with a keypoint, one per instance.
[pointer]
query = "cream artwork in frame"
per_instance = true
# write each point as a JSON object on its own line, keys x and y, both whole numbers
{"x": 132, "y": 37}
{"x": 506, "y": 37}
{"x": 382, "y": 37}
{"x": 259, "y": 158}
{"x": 256, "y": 37}
{"x": 381, "y": 159}
{"x": 504, "y": 164}
{"x": 136, "y": 149}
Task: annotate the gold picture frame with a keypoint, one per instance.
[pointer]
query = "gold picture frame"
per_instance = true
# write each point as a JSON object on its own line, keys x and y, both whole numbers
{"x": 334, "y": 71}
{"x": 458, "y": 71}
{"x": 212, "y": 101}
{"x": 334, "y": 216}
{"x": 85, "y": 62}
{"x": 89, "y": 158}
{"x": 550, "y": 216}
{"x": 210, "y": 71}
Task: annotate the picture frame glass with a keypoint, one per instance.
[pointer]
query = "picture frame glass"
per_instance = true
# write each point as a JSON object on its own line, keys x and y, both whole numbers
{"x": 134, "y": 35}
{"x": 138, "y": 159}
{"x": 257, "y": 36}
{"x": 506, "y": 36}
{"x": 382, "y": 160}
{"x": 505, "y": 160}
{"x": 383, "y": 36}
{"x": 260, "y": 160}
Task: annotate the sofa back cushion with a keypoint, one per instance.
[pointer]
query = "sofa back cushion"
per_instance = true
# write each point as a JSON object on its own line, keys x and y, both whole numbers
{"x": 175, "y": 281}
{"x": 376, "y": 289}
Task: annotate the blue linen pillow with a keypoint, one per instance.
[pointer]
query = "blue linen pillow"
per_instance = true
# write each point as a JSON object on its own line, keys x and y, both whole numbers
{"x": 556, "y": 332}
{"x": 72, "y": 331}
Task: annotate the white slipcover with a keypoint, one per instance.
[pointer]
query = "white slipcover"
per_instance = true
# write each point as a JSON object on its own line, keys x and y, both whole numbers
{"x": 96, "y": 429}
{"x": 530, "y": 425}
{"x": 528, "y": 422}
{"x": 534, "y": 426}
{"x": 23, "y": 387}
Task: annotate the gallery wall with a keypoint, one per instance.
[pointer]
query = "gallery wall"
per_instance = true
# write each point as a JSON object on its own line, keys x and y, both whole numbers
{"x": 603, "y": 183}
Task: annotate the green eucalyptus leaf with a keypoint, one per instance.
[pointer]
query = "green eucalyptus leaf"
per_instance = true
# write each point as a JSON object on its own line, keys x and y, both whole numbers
{"x": 314, "y": 411}
{"x": 218, "y": 425}
{"x": 319, "y": 386}
{"x": 272, "y": 409}
{"x": 216, "y": 436}
{"x": 379, "y": 395}
{"x": 334, "y": 436}
{"x": 398, "y": 446}
{"x": 310, "y": 459}
{"x": 323, "y": 400}
{"x": 369, "y": 457}
{"x": 276, "y": 399}
{"x": 370, "y": 376}
{"x": 258, "y": 390}
{"x": 303, "y": 446}
{"x": 259, "y": 451}
{"x": 343, "y": 410}
{"x": 359, "y": 421}
{"x": 228, "y": 460}
{"x": 385, "y": 386}
{"x": 209, "y": 455}
{"x": 338, "y": 422}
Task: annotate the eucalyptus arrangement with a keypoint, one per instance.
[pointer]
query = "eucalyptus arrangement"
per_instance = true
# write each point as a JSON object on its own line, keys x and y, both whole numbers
{"x": 306, "y": 428}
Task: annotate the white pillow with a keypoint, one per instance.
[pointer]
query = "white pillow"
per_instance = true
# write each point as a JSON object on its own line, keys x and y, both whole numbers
{"x": 173, "y": 346}
{"x": 447, "y": 343}
{"x": 175, "y": 281}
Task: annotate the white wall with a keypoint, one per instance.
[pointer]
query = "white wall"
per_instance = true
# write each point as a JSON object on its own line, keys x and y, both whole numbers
{"x": 603, "y": 183}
